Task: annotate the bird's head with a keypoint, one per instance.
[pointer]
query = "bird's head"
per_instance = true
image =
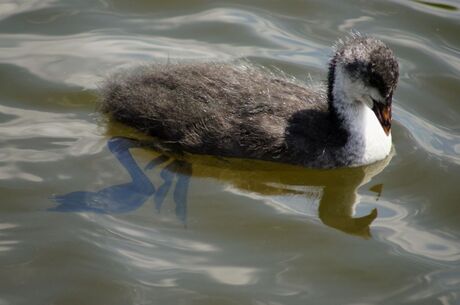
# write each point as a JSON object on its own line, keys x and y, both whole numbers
{"x": 364, "y": 70}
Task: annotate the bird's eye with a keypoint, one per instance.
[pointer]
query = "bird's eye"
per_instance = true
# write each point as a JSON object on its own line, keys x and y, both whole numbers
{"x": 376, "y": 81}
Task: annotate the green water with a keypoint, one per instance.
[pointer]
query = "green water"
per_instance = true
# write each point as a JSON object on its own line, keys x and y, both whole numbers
{"x": 223, "y": 231}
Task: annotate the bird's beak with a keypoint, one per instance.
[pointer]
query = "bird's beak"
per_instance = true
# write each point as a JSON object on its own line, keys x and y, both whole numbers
{"x": 383, "y": 113}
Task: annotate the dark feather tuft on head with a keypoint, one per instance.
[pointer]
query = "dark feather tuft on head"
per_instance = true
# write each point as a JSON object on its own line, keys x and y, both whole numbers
{"x": 368, "y": 59}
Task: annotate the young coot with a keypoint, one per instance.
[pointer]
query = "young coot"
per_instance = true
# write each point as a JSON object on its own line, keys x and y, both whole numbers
{"x": 239, "y": 110}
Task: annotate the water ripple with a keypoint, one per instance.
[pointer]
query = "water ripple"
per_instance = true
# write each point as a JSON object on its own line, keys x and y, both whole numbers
{"x": 437, "y": 141}
{"x": 149, "y": 249}
{"x": 14, "y": 7}
{"x": 443, "y": 8}
{"x": 93, "y": 53}
{"x": 6, "y": 245}
{"x": 60, "y": 136}
{"x": 398, "y": 230}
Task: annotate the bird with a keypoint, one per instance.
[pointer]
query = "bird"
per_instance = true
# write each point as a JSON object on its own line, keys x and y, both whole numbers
{"x": 242, "y": 110}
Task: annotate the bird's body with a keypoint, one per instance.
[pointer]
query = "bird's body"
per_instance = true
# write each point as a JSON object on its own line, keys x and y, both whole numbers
{"x": 239, "y": 110}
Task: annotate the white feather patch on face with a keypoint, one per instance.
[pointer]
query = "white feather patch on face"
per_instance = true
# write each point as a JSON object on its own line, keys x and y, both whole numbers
{"x": 353, "y": 101}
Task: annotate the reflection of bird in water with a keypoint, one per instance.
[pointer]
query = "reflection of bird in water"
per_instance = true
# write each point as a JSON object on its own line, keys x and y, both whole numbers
{"x": 246, "y": 112}
{"x": 337, "y": 198}
{"x": 114, "y": 199}
{"x": 183, "y": 171}
{"x": 130, "y": 196}
{"x": 336, "y": 203}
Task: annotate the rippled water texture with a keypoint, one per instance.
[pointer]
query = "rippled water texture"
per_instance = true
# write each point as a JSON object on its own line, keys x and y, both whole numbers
{"x": 89, "y": 216}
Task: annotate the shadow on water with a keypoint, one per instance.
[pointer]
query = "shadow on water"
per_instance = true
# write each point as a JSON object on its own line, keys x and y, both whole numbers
{"x": 337, "y": 196}
{"x": 127, "y": 197}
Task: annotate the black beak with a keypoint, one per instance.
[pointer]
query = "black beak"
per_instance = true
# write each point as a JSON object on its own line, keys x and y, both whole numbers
{"x": 383, "y": 113}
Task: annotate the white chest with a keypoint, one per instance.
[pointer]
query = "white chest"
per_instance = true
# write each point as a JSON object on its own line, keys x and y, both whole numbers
{"x": 368, "y": 142}
{"x": 377, "y": 143}
{"x": 367, "y": 130}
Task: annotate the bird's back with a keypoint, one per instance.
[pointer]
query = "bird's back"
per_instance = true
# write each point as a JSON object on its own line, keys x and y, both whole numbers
{"x": 223, "y": 109}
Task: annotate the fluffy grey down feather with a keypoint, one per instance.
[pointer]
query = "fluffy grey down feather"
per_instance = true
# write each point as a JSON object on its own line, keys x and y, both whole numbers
{"x": 235, "y": 110}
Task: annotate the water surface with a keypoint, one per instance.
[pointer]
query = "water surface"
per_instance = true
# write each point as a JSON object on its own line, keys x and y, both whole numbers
{"x": 90, "y": 217}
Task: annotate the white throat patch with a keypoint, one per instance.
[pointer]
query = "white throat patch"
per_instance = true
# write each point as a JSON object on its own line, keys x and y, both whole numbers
{"x": 352, "y": 99}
